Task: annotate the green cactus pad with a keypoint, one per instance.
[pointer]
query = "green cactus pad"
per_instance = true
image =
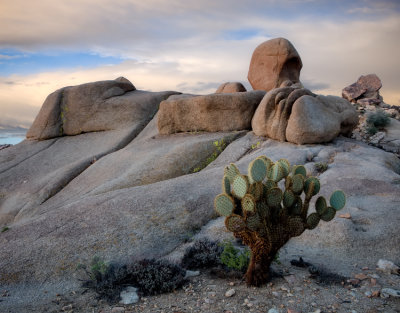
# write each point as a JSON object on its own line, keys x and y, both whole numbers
{"x": 338, "y": 200}
{"x": 288, "y": 198}
{"x": 277, "y": 172}
{"x": 288, "y": 182}
{"x": 240, "y": 186}
{"x": 226, "y": 185}
{"x": 329, "y": 214}
{"x": 297, "y": 206}
{"x": 253, "y": 222}
{"x": 311, "y": 186}
{"x": 267, "y": 161}
{"x": 274, "y": 197}
{"x": 320, "y": 205}
{"x": 313, "y": 220}
{"x": 231, "y": 171}
{"x": 257, "y": 170}
{"x": 295, "y": 226}
{"x": 299, "y": 169}
{"x": 270, "y": 184}
{"x": 248, "y": 203}
{"x": 262, "y": 209}
{"x": 224, "y": 204}
{"x": 297, "y": 184}
{"x": 285, "y": 165}
{"x": 235, "y": 223}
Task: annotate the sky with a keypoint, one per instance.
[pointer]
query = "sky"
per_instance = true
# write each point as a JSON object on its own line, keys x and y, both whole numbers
{"x": 188, "y": 45}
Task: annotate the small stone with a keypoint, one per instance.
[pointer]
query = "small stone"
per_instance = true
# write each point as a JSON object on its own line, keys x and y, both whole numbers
{"x": 376, "y": 293}
{"x": 67, "y": 307}
{"x": 373, "y": 282}
{"x": 129, "y": 295}
{"x": 361, "y": 276}
{"x": 209, "y": 301}
{"x": 368, "y": 294}
{"x": 118, "y": 309}
{"x": 388, "y": 266}
{"x": 273, "y": 311}
{"x": 292, "y": 311}
{"x": 317, "y": 310}
{"x": 275, "y": 294}
{"x": 291, "y": 279}
{"x": 191, "y": 274}
{"x": 365, "y": 268}
{"x": 231, "y": 283}
{"x": 353, "y": 281}
{"x": 386, "y": 292}
{"x": 230, "y": 293}
{"x": 345, "y": 215}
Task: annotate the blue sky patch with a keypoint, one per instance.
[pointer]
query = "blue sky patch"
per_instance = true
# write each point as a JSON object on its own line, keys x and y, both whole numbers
{"x": 23, "y": 63}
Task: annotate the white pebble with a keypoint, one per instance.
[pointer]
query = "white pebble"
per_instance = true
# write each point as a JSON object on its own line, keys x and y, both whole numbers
{"x": 230, "y": 293}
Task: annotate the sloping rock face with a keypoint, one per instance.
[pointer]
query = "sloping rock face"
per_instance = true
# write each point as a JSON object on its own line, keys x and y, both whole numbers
{"x": 34, "y": 171}
{"x": 272, "y": 63}
{"x": 231, "y": 87}
{"x": 299, "y": 116}
{"x": 211, "y": 113}
{"x": 98, "y": 106}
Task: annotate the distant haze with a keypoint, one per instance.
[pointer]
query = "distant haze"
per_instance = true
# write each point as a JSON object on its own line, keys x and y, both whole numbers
{"x": 188, "y": 46}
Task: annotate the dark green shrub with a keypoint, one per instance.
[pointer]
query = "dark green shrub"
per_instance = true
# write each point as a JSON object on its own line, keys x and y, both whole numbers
{"x": 203, "y": 254}
{"x": 321, "y": 167}
{"x": 151, "y": 277}
{"x": 234, "y": 258}
{"x": 379, "y": 119}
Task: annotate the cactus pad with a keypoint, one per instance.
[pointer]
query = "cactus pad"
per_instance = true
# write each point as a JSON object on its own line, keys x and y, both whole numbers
{"x": 257, "y": 170}
{"x": 297, "y": 183}
{"x": 285, "y": 165}
{"x": 299, "y": 169}
{"x": 277, "y": 172}
{"x": 267, "y": 161}
{"x": 226, "y": 185}
{"x": 240, "y": 186}
{"x": 320, "y": 205}
{"x": 249, "y": 204}
{"x": 296, "y": 207}
{"x": 313, "y": 220}
{"x": 288, "y": 198}
{"x": 253, "y": 222}
{"x": 311, "y": 186}
{"x": 224, "y": 204}
{"x": 231, "y": 171}
{"x": 257, "y": 190}
{"x": 337, "y": 200}
{"x": 235, "y": 223}
{"x": 329, "y": 214}
{"x": 274, "y": 197}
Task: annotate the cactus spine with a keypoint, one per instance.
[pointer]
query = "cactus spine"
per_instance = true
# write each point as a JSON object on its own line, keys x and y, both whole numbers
{"x": 264, "y": 216}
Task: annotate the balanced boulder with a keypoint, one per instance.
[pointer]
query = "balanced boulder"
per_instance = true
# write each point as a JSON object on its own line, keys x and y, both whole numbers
{"x": 212, "y": 113}
{"x": 231, "y": 87}
{"x": 272, "y": 63}
{"x": 365, "y": 91}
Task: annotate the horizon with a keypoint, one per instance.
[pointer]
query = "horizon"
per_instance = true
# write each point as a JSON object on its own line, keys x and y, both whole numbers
{"x": 187, "y": 46}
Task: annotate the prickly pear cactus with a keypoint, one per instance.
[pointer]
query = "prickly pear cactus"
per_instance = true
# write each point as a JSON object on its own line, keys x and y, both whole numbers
{"x": 264, "y": 216}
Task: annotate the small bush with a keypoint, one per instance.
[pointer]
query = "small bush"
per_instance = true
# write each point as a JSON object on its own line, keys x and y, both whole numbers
{"x": 371, "y": 130}
{"x": 234, "y": 258}
{"x": 4, "y": 229}
{"x": 379, "y": 119}
{"x": 321, "y": 167}
{"x": 203, "y": 254}
{"x": 151, "y": 277}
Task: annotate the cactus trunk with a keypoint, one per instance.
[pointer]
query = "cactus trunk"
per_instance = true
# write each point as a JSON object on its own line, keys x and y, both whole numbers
{"x": 258, "y": 272}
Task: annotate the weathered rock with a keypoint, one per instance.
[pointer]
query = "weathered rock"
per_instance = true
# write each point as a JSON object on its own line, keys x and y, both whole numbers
{"x": 388, "y": 266}
{"x": 212, "y": 113}
{"x": 320, "y": 119}
{"x": 272, "y": 63}
{"x": 231, "y": 87}
{"x": 98, "y": 106}
{"x": 271, "y": 116}
{"x": 364, "y": 91}
{"x": 32, "y": 172}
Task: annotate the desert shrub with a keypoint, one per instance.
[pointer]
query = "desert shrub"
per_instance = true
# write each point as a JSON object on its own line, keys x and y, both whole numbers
{"x": 204, "y": 253}
{"x": 150, "y": 276}
{"x": 321, "y": 167}
{"x": 378, "y": 119}
{"x": 234, "y": 258}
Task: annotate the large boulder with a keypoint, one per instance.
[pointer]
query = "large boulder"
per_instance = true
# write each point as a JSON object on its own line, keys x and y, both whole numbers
{"x": 231, "y": 87}
{"x": 212, "y": 113}
{"x": 320, "y": 119}
{"x": 299, "y": 116}
{"x": 272, "y": 63}
{"x": 91, "y": 107}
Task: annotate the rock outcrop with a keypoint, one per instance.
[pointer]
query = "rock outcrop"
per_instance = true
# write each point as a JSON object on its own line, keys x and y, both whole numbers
{"x": 299, "y": 116}
{"x": 231, "y": 87}
{"x": 365, "y": 91}
{"x": 272, "y": 63}
{"x": 211, "y": 113}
